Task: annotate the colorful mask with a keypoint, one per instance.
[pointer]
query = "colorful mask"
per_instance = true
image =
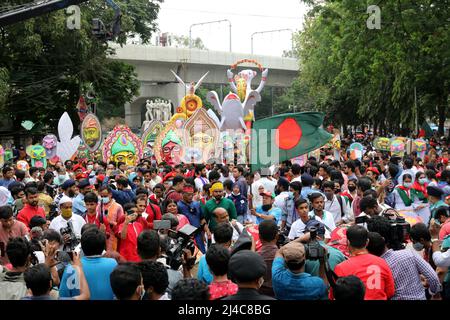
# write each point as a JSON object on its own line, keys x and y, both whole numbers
{"x": 382, "y": 143}
{"x": 49, "y": 142}
{"x": 122, "y": 145}
{"x": 38, "y": 156}
{"x": 91, "y": 132}
{"x": 171, "y": 149}
{"x": 22, "y": 165}
{"x": 420, "y": 147}
{"x": 398, "y": 146}
{"x": 356, "y": 151}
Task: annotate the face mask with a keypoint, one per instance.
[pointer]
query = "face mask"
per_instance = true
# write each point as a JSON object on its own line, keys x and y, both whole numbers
{"x": 407, "y": 184}
{"x": 337, "y": 191}
{"x": 66, "y": 213}
{"x": 266, "y": 207}
{"x": 329, "y": 195}
{"x": 422, "y": 181}
{"x": 90, "y": 167}
{"x": 170, "y": 183}
{"x": 418, "y": 246}
{"x": 105, "y": 200}
{"x": 351, "y": 188}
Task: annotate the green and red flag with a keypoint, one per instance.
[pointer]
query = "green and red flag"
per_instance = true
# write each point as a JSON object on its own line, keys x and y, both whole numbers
{"x": 286, "y": 136}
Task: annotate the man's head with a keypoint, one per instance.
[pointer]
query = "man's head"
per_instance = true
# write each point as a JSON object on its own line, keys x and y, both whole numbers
{"x": 216, "y": 190}
{"x": 357, "y": 237}
{"x": 349, "y": 167}
{"x": 434, "y": 194}
{"x": 317, "y": 201}
{"x": 65, "y": 207}
{"x": 377, "y": 245}
{"x": 294, "y": 255}
{"x": 223, "y": 233}
{"x": 349, "y": 288}
{"x": 126, "y": 282}
{"x": 420, "y": 236}
{"x": 148, "y": 245}
{"x": 141, "y": 203}
{"x": 178, "y": 183}
{"x": 213, "y": 176}
{"x": 188, "y": 193}
{"x": 442, "y": 214}
{"x": 18, "y": 192}
{"x": 369, "y": 205}
{"x": 296, "y": 169}
{"x": 296, "y": 188}
{"x": 122, "y": 183}
{"x": 158, "y": 190}
{"x": 217, "y": 258}
{"x": 18, "y": 251}
{"x": 155, "y": 278}
{"x": 328, "y": 189}
{"x": 267, "y": 200}
{"x": 301, "y": 205}
{"x": 323, "y": 171}
{"x": 190, "y": 289}
{"x": 38, "y": 279}
{"x": 247, "y": 269}
{"x": 93, "y": 242}
{"x": 268, "y": 231}
{"x": 221, "y": 215}
{"x": 237, "y": 172}
{"x": 200, "y": 170}
{"x": 283, "y": 184}
{"x": 53, "y": 237}
{"x": 8, "y": 172}
{"x": 91, "y": 201}
{"x": 32, "y": 196}
{"x": 6, "y": 217}
{"x": 70, "y": 188}
{"x": 363, "y": 184}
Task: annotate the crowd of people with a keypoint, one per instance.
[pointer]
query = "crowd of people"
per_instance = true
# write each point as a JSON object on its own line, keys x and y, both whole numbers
{"x": 330, "y": 229}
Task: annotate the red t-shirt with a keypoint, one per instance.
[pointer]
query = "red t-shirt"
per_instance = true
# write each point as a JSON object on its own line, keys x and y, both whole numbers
{"x": 154, "y": 213}
{"x": 29, "y": 212}
{"x": 95, "y": 219}
{"x": 219, "y": 290}
{"x": 128, "y": 246}
{"x": 445, "y": 230}
{"x": 373, "y": 271}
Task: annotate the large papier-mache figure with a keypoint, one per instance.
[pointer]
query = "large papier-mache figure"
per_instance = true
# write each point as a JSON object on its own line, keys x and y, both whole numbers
{"x": 122, "y": 145}
{"x": 168, "y": 145}
{"x": 91, "y": 132}
{"x": 149, "y": 136}
{"x": 66, "y": 146}
{"x": 38, "y": 156}
{"x": 50, "y": 142}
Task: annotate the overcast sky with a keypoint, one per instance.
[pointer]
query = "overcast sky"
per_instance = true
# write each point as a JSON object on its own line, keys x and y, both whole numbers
{"x": 246, "y": 16}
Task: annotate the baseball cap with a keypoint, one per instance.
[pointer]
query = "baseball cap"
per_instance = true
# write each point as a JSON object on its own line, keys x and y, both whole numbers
{"x": 293, "y": 251}
{"x": 267, "y": 194}
{"x": 84, "y": 183}
{"x": 246, "y": 266}
{"x": 67, "y": 184}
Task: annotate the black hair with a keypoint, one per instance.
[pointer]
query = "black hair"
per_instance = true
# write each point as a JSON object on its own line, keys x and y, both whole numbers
{"x": 393, "y": 169}
{"x": 154, "y": 275}
{"x": 296, "y": 185}
{"x": 357, "y": 236}
{"x": 16, "y": 189}
{"x": 217, "y": 258}
{"x": 37, "y": 221}
{"x": 228, "y": 184}
{"x": 441, "y": 211}
{"x": 364, "y": 184}
{"x": 431, "y": 174}
{"x": 148, "y": 244}
{"x": 213, "y": 175}
{"x": 296, "y": 169}
{"x": 420, "y": 231}
{"x": 6, "y": 212}
{"x": 53, "y": 235}
{"x": 376, "y": 244}
{"x": 177, "y": 179}
{"x": 318, "y": 182}
{"x": 223, "y": 233}
{"x": 20, "y": 174}
{"x": 190, "y": 289}
{"x": 47, "y": 177}
{"x": 141, "y": 190}
{"x": 128, "y": 206}
{"x": 407, "y": 176}
{"x": 18, "y": 251}
{"x": 87, "y": 227}
{"x": 199, "y": 168}
{"x": 38, "y": 279}
{"x": 33, "y": 170}
{"x": 370, "y": 193}
{"x": 31, "y": 191}
{"x": 349, "y": 288}
{"x": 350, "y": 164}
{"x": 328, "y": 184}
{"x": 368, "y": 202}
{"x": 408, "y": 162}
{"x": 93, "y": 242}
{"x": 6, "y": 169}
{"x": 124, "y": 280}
{"x": 337, "y": 175}
{"x": 240, "y": 169}
{"x": 159, "y": 186}
{"x": 268, "y": 230}
{"x": 313, "y": 196}
{"x": 91, "y": 197}
{"x": 123, "y": 182}
{"x": 206, "y": 187}
{"x": 299, "y": 202}
{"x": 105, "y": 188}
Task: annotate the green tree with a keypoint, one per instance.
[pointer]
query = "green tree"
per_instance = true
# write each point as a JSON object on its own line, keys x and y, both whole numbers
{"x": 48, "y": 64}
{"x": 183, "y": 42}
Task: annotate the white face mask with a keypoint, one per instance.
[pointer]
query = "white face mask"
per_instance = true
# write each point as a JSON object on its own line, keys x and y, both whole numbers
{"x": 407, "y": 184}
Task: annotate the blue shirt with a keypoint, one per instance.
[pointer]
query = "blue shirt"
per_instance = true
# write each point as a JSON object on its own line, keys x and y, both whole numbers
{"x": 6, "y": 183}
{"x": 78, "y": 206}
{"x": 296, "y": 286}
{"x": 203, "y": 273}
{"x": 274, "y": 211}
{"x": 97, "y": 271}
{"x": 194, "y": 214}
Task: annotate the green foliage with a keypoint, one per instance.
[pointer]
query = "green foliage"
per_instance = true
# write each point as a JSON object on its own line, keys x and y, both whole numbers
{"x": 359, "y": 75}
{"x": 48, "y": 64}
{"x": 183, "y": 42}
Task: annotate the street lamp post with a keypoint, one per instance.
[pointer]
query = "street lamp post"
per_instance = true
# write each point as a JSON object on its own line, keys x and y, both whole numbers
{"x": 271, "y": 31}
{"x": 208, "y": 22}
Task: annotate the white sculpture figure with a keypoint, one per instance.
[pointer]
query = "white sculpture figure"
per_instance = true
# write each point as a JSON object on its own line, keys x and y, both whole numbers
{"x": 232, "y": 110}
{"x": 66, "y": 146}
{"x": 191, "y": 87}
{"x": 167, "y": 114}
{"x": 149, "y": 114}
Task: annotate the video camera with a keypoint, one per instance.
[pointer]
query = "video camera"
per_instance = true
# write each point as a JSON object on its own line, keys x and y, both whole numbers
{"x": 313, "y": 249}
{"x": 183, "y": 239}
{"x": 74, "y": 241}
{"x": 399, "y": 231}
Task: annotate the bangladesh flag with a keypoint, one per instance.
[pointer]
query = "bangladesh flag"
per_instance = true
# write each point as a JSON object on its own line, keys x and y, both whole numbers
{"x": 286, "y": 136}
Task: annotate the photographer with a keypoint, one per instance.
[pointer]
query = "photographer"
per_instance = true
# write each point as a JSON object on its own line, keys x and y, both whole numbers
{"x": 289, "y": 279}
{"x": 71, "y": 235}
{"x": 406, "y": 266}
{"x": 128, "y": 233}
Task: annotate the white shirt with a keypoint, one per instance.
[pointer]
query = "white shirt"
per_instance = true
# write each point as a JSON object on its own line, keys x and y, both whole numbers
{"x": 299, "y": 179}
{"x": 269, "y": 185}
{"x": 200, "y": 182}
{"x": 155, "y": 181}
{"x": 334, "y": 207}
{"x": 235, "y": 232}
{"x": 77, "y": 221}
{"x": 297, "y": 229}
{"x": 280, "y": 202}
{"x": 441, "y": 259}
